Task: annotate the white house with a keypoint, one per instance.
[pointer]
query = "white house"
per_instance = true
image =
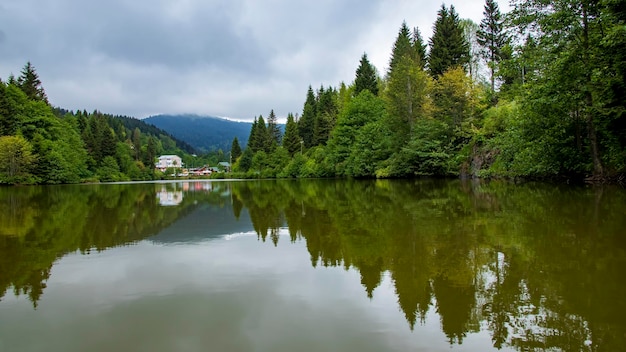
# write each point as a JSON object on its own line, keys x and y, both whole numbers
{"x": 167, "y": 161}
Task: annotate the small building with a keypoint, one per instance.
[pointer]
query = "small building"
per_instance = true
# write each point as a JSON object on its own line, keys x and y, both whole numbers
{"x": 225, "y": 166}
{"x": 169, "y": 161}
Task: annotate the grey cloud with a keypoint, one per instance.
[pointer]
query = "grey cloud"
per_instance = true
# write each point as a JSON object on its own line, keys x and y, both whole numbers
{"x": 236, "y": 58}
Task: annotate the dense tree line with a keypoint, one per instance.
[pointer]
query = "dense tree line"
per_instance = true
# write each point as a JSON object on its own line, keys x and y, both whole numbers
{"x": 42, "y": 144}
{"x": 551, "y": 105}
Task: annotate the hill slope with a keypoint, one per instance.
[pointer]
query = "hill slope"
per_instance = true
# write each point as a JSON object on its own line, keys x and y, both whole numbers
{"x": 205, "y": 133}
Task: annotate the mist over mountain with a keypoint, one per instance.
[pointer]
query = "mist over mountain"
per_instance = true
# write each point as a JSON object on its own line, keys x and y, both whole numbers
{"x": 205, "y": 133}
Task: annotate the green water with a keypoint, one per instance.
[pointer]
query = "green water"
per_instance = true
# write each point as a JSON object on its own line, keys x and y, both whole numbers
{"x": 312, "y": 265}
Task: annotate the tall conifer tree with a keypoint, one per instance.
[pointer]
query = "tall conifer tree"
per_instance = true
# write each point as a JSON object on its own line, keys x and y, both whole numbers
{"x": 30, "y": 84}
{"x": 419, "y": 47}
{"x": 365, "y": 77}
{"x": 448, "y": 45}
{"x": 291, "y": 140}
{"x": 273, "y": 130}
{"x": 235, "y": 149}
{"x": 306, "y": 125}
{"x": 402, "y": 46}
{"x": 492, "y": 38}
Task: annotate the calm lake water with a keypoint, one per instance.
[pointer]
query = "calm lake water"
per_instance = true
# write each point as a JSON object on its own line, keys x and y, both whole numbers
{"x": 312, "y": 265}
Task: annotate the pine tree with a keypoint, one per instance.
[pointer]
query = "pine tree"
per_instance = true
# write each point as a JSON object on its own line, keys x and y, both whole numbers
{"x": 448, "y": 46}
{"x": 306, "y": 125}
{"x": 406, "y": 85}
{"x": 292, "y": 140}
{"x": 261, "y": 136}
{"x": 273, "y": 130}
{"x": 401, "y": 47}
{"x": 252, "y": 142}
{"x": 326, "y": 115}
{"x": 151, "y": 153}
{"x": 235, "y": 149}
{"x": 137, "y": 143}
{"x": 30, "y": 84}
{"x": 8, "y": 117}
{"x": 492, "y": 38}
{"x": 365, "y": 77}
{"x": 419, "y": 47}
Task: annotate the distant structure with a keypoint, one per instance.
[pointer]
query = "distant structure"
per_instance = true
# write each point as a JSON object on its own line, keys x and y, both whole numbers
{"x": 168, "y": 161}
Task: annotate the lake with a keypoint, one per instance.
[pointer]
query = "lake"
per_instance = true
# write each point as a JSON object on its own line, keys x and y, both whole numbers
{"x": 313, "y": 265}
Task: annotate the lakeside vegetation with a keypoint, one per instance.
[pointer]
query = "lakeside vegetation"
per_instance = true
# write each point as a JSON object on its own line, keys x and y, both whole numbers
{"x": 551, "y": 106}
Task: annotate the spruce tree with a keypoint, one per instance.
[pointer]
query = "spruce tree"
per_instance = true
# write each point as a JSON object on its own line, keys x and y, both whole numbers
{"x": 273, "y": 130}
{"x": 401, "y": 47}
{"x": 406, "y": 85}
{"x": 291, "y": 140}
{"x": 30, "y": 84}
{"x": 365, "y": 77}
{"x": 235, "y": 149}
{"x": 448, "y": 46}
{"x": 492, "y": 38}
{"x": 306, "y": 125}
{"x": 252, "y": 142}
{"x": 419, "y": 47}
{"x": 261, "y": 136}
{"x": 326, "y": 115}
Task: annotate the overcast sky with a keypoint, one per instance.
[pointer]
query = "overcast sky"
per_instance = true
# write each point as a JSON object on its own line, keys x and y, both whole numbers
{"x": 229, "y": 58}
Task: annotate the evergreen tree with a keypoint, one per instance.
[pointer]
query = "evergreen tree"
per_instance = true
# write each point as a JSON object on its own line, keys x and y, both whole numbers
{"x": 402, "y": 47}
{"x": 8, "y": 117}
{"x": 326, "y": 115}
{"x": 137, "y": 143}
{"x": 291, "y": 141}
{"x": 306, "y": 124}
{"x": 261, "y": 136}
{"x": 448, "y": 46}
{"x": 235, "y": 149}
{"x": 273, "y": 130}
{"x": 492, "y": 38}
{"x": 151, "y": 153}
{"x": 407, "y": 84}
{"x": 419, "y": 47}
{"x": 365, "y": 77}
{"x": 253, "y": 144}
{"x": 30, "y": 84}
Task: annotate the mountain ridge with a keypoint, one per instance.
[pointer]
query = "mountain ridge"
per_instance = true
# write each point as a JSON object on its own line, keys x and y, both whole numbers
{"x": 203, "y": 132}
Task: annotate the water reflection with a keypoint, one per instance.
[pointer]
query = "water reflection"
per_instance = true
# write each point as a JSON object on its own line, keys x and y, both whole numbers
{"x": 534, "y": 266}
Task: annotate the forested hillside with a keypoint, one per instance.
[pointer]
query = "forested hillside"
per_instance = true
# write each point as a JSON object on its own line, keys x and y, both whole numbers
{"x": 535, "y": 93}
{"x": 42, "y": 144}
{"x": 205, "y": 133}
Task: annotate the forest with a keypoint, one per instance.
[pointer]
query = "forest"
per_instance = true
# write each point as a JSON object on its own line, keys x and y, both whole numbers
{"x": 41, "y": 144}
{"x": 535, "y": 93}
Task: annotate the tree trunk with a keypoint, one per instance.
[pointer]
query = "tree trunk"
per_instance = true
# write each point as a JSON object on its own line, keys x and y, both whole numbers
{"x": 598, "y": 170}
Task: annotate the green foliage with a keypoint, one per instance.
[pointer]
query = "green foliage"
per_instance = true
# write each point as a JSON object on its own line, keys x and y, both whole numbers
{"x": 235, "y": 149}
{"x": 306, "y": 124}
{"x": 245, "y": 162}
{"x": 448, "y": 45}
{"x": 16, "y": 160}
{"x": 403, "y": 47}
{"x": 406, "y": 98}
{"x": 109, "y": 171}
{"x": 30, "y": 84}
{"x": 365, "y": 77}
{"x": 492, "y": 38}
{"x": 363, "y": 109}
{"x": 273, "y": 131}
{"x": 291, "y": 141}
